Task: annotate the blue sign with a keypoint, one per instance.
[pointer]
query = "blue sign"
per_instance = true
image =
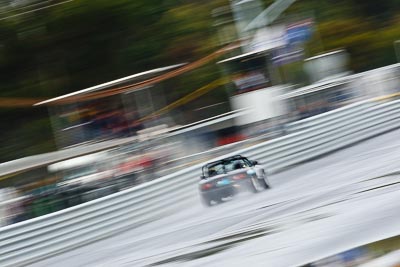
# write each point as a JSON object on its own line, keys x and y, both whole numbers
{"x": 299, "y": 32}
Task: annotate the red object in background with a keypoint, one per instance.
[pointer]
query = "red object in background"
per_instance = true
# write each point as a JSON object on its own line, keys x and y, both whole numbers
{"x": 130, "y": 166}
{"x": 146, "y": 162}
{"x": 230, "y": 139}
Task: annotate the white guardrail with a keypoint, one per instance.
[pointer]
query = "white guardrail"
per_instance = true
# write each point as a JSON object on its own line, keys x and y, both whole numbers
{"x": 45, "y": 236}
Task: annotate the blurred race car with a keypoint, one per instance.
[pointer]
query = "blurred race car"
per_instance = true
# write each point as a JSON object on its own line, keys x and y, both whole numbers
{"x": 223, "y": 178}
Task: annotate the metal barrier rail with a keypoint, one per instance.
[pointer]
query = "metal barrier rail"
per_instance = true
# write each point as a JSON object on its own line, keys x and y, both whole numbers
{"x": 336, "y": 114}
{"x": 45, "y": 236}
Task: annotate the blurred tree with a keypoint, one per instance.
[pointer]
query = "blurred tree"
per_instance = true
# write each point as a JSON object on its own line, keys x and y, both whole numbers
{"x": 71, "y": 46}
{"x": 373, "y": 8}
{"x": 83, "y": 43}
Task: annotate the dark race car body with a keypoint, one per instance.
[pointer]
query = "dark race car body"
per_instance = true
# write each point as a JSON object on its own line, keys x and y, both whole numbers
{"x": 223, "y": 178}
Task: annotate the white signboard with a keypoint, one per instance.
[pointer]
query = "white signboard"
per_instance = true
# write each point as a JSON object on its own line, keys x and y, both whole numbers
{"x": 261, "y": 104}
{"x": 267, "y": 38}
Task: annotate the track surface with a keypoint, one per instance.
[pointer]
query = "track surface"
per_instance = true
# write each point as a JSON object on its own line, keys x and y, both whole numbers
{"x": 316, "y": 209}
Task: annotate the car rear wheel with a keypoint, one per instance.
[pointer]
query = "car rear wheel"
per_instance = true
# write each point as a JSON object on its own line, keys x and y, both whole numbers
{"x": 264, "y": 183}
{"x": 256, "y": 185}
{"x": 206, "y": 201}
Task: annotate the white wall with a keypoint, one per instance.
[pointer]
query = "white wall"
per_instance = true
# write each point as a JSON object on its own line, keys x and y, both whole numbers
{"x": 263, "y": 104}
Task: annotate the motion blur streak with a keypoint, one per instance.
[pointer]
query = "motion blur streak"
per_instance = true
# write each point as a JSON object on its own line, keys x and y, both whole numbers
{"x": 314, "y": 210}
{"x": 108, "y": 108}
{"x": 36, "y": 9}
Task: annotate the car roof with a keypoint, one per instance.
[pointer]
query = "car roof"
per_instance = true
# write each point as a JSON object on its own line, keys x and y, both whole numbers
{"x": 224, "y": 160}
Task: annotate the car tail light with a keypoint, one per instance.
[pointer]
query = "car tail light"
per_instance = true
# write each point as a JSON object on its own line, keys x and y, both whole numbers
{"x": 239, "y": 176}
{"x": 206, "y": 186}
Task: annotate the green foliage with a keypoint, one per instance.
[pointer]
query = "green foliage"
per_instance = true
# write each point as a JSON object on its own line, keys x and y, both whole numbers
{"x": 84, "y": 42}
{"x": 26, "y": 136}
{"x": 366, "y": 29}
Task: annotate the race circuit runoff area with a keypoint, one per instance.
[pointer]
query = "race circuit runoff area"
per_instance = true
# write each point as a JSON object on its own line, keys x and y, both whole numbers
{"x": 320, "y": 208}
